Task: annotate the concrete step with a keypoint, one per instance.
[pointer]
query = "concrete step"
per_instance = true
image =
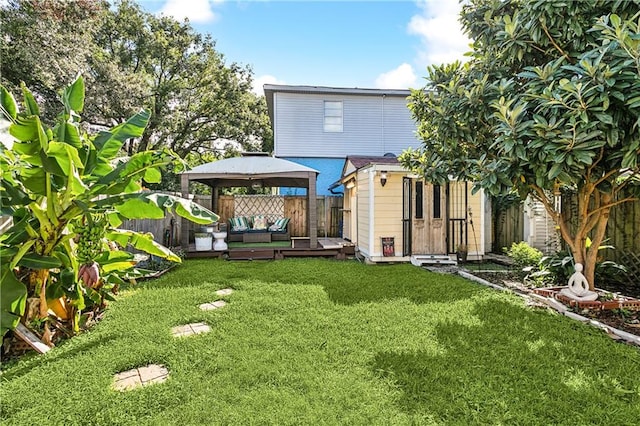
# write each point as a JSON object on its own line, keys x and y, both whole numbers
{"x": 432, "y": 259}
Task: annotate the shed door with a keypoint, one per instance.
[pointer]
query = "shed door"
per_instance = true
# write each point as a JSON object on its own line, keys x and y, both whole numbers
{"x": 428, "y": 230}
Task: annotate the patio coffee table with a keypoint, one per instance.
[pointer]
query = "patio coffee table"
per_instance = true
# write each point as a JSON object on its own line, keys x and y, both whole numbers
{"x": 256, "y": 237}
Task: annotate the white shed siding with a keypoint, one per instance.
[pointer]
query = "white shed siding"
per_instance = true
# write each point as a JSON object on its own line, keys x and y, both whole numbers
{"x": 366, "y": 131}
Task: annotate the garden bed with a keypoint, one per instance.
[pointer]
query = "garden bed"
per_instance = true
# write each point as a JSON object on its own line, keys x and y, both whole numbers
{"x": 618, "y": 311}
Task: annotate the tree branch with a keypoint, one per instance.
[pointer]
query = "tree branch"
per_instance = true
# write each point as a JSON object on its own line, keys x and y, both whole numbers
{"x": 615, "y": 203}
{"x": 558, "y": 48}
{"x": 606, "y": 176}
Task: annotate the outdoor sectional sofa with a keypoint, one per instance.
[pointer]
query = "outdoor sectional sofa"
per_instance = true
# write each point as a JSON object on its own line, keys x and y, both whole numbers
{"x": 244, "y": 229}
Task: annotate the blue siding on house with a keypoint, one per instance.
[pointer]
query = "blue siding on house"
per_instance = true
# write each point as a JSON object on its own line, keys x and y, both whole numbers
{"x": 330, "y": 171}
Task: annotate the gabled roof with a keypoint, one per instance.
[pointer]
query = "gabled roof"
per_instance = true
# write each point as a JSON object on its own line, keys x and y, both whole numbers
{"x": 354, "y": 163}
{"x": 360, "y": 161}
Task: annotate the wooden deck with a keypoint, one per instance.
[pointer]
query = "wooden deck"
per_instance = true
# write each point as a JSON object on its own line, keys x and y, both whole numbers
{"x": 328, "y": 247}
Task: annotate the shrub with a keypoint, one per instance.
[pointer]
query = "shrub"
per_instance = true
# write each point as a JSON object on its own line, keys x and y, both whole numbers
{"x": 560, "y": 266}
{"x": 524, "y": 255}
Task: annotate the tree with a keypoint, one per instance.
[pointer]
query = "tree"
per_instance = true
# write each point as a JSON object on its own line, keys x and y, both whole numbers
{"x": 45, "y": 43}
{"x": 67, "y": 193}
{"x": 548, "y": 103}
{"x": 198, "y": 102}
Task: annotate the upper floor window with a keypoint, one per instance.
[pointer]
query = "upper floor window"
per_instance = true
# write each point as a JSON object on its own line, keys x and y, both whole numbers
{"x": 333, "y": 116}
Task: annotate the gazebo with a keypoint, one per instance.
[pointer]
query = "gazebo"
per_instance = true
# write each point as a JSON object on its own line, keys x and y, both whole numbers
{"x": 254, "y": 169}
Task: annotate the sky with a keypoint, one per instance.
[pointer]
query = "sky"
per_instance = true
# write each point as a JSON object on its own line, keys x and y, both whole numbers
{"x": 365, "y": 44}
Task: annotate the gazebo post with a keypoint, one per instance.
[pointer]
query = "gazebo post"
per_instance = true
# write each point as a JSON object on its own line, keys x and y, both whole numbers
{"x": 184, "y": 223}
{"x": 312, "y": 212}
{"x": 215, "y": 192}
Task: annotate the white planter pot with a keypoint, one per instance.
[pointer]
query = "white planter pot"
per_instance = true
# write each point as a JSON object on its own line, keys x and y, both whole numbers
{"x": 219, "y": 243}
{"x": 204, "y": 243}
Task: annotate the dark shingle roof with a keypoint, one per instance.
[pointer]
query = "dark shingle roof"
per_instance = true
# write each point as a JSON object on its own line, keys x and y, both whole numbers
{"x": 359, "y": 161}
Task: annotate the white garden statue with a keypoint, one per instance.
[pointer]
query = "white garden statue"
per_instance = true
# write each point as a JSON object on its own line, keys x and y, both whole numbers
{"x": 578, "y": 288}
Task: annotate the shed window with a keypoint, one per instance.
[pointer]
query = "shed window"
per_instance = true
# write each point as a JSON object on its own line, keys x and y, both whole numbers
{"x": 419, "y": 200}
{"x": 333, "y": 116}
{"x": 437, "y": 210}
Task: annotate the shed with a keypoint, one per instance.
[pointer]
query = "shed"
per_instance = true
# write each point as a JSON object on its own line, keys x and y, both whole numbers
{"x": 392, "y": 214}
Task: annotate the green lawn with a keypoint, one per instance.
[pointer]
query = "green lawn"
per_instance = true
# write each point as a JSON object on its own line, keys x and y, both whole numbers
{"x": 321, "y": 342}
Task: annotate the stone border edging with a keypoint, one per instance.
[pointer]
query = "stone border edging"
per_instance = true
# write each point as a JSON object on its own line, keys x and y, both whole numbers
{"x": 560, "y": 308}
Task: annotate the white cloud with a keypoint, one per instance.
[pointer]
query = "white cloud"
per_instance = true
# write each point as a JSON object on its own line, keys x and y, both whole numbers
{"x": 402, "y": 77}
{"x": 262, "y": 80}
{"x": 440, "y": 32}
{"x": 199, "y": 11}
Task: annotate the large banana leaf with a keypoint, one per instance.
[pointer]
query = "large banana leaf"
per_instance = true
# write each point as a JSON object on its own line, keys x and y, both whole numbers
{"x": 151, "y": 205}
{"x": 13, "y": 300}
{"x": 8, "y": 104}
{"x": 142, "y": 242}
{"x": 108, "y": 143}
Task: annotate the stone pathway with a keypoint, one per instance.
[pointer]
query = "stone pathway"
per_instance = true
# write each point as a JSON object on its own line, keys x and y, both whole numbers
{"x": 142, "y": 376}
{"x": 213, "y": 305}
{"x": 190, "y": 329}
{"x": 155, "y": 373}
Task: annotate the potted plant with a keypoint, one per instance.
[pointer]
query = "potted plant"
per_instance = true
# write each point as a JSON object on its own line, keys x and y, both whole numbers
{"x": 204, "y": 241}
{"x": 461, "y": 253}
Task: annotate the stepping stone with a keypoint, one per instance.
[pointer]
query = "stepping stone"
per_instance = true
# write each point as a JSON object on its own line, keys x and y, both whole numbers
{"x": 213, "y": 305}
{"x": 190, "y": 329}
{"x": 138, "y": 377}
{"x": 224, "y": 292}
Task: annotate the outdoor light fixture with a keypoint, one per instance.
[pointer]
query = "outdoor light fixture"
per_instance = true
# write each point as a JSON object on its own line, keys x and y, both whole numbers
{"x": 256, "y": 184}
{"x": 383, "y": 178}
{"x": 351, "y": 183}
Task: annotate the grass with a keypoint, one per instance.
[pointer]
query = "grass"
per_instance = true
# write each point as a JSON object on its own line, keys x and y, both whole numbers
{"x": 326, "y": 342}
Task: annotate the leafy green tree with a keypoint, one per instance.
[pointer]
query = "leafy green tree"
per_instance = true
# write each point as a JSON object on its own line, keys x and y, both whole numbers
{"x": 198, "y": 102}
{"x": 67, "y": 193}
{"x": 547, "y": 103}
{"x": 45, "y": 43}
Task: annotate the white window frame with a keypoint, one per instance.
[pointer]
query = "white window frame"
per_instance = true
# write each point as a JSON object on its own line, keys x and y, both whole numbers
{"x": 334, "y": 127}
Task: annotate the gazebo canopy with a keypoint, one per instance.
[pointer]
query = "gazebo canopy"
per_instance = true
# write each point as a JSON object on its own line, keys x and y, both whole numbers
{"x": 255, "y": 169}
{"x": 252, "y": 169}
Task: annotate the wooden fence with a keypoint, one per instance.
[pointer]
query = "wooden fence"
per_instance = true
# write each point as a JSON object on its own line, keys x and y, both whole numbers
{"x": 329, "y": 213}
{"x": 623, "y": 230}
{"x": 508, "y": 227}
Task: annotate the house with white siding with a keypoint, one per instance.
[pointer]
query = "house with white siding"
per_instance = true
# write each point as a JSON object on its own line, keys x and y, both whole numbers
{"x": 352, "y": 137}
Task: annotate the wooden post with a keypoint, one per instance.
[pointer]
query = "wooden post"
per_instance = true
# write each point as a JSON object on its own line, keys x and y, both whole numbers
{"x": 215, "y": 193}
{"x": 184, "y": 228}
{"x": 312, "y": 213}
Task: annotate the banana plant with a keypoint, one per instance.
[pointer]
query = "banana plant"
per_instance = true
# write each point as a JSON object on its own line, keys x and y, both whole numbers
{"x": 67, "y": 193}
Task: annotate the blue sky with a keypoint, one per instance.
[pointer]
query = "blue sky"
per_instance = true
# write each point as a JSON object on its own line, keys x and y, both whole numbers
{"x": 372, "y": 44}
